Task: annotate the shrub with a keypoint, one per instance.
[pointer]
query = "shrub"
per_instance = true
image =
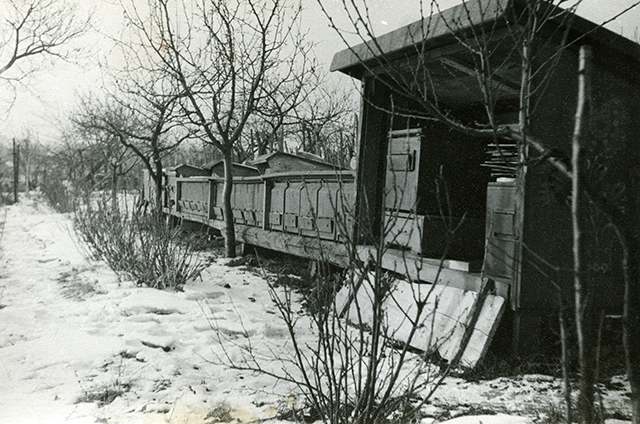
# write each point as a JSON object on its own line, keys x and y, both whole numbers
{"x": 143, "y": 246}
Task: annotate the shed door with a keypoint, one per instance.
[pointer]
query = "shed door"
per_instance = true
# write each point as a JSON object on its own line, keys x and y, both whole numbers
{"x": 403, "y": 163}
{"x": 500, "y": 256}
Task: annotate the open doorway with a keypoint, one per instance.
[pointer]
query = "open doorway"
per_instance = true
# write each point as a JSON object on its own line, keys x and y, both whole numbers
{"x": 436, "y": 193}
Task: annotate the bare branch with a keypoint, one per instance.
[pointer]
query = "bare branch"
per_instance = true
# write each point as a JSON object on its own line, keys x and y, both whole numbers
{"x": 36, "y": 28}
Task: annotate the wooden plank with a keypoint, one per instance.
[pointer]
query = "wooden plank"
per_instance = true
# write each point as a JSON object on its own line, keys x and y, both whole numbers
{"x": 452, "y": 319}
{"x": 293, "y": 244}
{"x": 414, "y": 267}
{"x": 192, "y": 217}
{"x": 403, "y": 229}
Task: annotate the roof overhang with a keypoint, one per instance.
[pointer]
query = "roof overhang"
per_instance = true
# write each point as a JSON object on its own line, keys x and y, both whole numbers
{"x": 459, "y": 23}
{"x": 430, "y": 32}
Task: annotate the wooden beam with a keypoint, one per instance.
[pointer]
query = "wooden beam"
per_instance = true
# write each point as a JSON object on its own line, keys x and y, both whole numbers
{"x": 501, "y": 83}
{"x": 292, "y": 244}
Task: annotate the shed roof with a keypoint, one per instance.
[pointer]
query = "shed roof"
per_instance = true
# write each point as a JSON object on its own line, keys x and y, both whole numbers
{"x": 238, "y": 169}
{"x": 443, "y": 28}
{"x": 185, "y": 170}
{"x": 301, "y": 157}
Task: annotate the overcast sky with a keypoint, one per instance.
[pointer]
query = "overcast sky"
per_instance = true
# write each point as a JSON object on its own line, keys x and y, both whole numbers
{"x": 51, "y": 95}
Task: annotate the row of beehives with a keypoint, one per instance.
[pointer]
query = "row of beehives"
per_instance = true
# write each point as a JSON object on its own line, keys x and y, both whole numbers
{"x": 313, "y": 204}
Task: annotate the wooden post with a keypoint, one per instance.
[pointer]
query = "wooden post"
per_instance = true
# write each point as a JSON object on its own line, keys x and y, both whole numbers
{"x": 266, "y": 204}
{"x": 372, "y": 159}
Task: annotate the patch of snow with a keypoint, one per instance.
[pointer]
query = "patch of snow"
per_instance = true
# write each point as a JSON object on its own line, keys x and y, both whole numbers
{"x": 490, "y": 419}
{"x": 152, "y": 301}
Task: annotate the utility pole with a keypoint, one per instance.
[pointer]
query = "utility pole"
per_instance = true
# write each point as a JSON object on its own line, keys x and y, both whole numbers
{"x": 16, "y": 170}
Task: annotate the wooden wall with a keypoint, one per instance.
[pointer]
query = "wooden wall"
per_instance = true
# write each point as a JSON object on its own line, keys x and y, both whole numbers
{"x": 613, "y": 140}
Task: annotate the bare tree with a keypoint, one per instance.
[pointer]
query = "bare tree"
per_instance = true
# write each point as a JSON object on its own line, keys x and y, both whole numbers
{"x": 229, "y": 59}
{"x": 70, "y": 169}
{"x": 32, "y": 31}
{"x": 277, "y": 118}
{"x": 585, "y": 352}
{"x": 264, "y": 136}
{"x": 322, "y": 122}
{"x": 327, "y": 125}
{"x": 111, "y": 158}
{"x": 142, "y": 116}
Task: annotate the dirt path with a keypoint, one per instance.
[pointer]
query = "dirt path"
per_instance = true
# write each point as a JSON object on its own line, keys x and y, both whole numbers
{"x": 36, "y": 333}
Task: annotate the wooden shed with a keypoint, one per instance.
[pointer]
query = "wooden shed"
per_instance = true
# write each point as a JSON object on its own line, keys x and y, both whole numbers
{"x": 504, "y": 198}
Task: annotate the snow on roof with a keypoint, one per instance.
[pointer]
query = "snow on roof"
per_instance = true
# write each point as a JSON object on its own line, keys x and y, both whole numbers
{"x": 299, "y": 156}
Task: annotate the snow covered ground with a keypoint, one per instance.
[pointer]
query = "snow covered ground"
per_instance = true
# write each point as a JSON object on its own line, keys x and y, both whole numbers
{"x": 79, "y": 345}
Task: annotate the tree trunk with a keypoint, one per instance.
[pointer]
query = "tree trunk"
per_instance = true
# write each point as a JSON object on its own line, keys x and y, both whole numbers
{"x": 564, "y": 340}
{"x": 157, "y": 178}
{"x": 114, "y": 185}
{"x": 281, "y": 141}
{"x": 229, "y": 228}
{"x": 583, "y": 315}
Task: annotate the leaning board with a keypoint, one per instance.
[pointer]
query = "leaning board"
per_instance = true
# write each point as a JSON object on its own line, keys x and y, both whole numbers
{"x": 441, "y": 326}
